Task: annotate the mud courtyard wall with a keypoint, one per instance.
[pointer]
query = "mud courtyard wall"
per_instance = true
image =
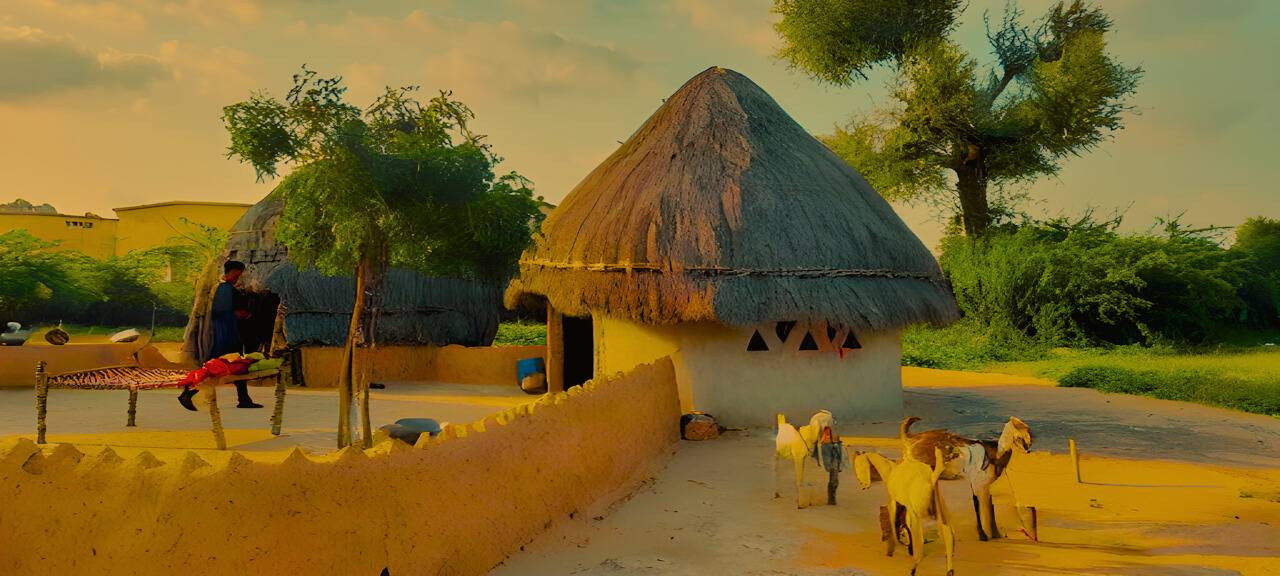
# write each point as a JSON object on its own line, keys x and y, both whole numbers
{"x": 450, "y": 364}
{"x": 457, "y": 504}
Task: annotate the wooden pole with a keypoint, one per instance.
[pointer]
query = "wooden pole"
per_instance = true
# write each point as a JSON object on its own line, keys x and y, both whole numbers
{"x": 133, "y": 406}
{"x": 277, "y": 416}
{"x": 1075, "y": 457}
{"x": 219, "y": 438}
{"x": 555, "y": 350}
{"x": 42, "y": 400}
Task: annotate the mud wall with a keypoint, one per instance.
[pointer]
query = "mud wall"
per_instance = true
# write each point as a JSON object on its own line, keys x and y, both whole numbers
{"x": 452, "y": 364}
{"x": 457, "y": 504}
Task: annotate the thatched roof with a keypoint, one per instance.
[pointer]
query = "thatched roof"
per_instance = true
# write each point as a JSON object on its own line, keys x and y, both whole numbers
{"x": 722, "y": 208}
{"x": 416, "y": 309}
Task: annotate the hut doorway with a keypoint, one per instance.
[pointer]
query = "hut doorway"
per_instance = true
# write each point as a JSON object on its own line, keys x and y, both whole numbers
{"x": 579, "y": 350}
{"x": 257, "y": 330}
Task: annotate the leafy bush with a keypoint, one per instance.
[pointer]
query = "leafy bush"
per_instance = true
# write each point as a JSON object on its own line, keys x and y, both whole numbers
{"x": 40, "y": 284}
{"x": 1080, "y": 282}
{"x": 1202, "y": 386}
{"x": 966, "y": 345}
{"x": 521, "y": 334}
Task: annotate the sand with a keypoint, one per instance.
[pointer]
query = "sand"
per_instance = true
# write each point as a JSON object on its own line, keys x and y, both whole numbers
{"x": 1169, "y": 488}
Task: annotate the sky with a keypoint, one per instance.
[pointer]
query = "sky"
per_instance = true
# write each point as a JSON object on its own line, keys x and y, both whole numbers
{"x": 118, "y": 103}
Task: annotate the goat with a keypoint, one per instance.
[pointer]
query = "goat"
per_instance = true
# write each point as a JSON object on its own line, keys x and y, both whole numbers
{"x": 790, "y": 445}
{"x": 812, "y": 431}
{"x": 913, "y": 486}
{"x": 982, "y": 462}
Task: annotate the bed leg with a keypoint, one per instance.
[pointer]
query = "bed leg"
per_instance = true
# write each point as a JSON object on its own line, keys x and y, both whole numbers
{"x": 215, "y": 415}
{"x": 133, "y": 406}
{"x": 42, "y": 400}
{"x": 278, "y": 414}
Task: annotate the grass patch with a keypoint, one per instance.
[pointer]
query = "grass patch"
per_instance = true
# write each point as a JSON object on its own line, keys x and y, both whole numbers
{"x": 163, "y": 333}
{"x": 965, "y": 345}
{"x": 1259, "y": 395}
{"x": 1240, "y": 372}
{"x": 521, "y": 333}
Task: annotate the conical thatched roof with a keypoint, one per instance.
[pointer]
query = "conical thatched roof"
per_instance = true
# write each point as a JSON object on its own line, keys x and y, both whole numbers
{"x": 722, "y": 208}
{"x": 416, "y": 309}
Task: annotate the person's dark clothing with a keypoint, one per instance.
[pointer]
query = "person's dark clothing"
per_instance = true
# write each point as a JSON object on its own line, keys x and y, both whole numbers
{"x": 226, "y": 327}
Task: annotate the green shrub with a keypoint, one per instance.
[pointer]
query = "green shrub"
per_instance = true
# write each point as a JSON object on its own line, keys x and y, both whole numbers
{"x": 1201, "y": 386}
{"x": 521, "y": 334}
{"x": 1074, "y": 283}
{"x": 41, "y": 284}
{"x": 966, "y": 345}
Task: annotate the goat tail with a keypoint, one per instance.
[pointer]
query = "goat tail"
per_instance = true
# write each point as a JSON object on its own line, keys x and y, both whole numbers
{"x": 782, "y": 419}
{"x": 904, "y": 429}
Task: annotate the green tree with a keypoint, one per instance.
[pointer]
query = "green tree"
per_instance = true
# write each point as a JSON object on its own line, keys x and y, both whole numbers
{"x": 37, "y": 280}
{"x": 1053, "y": 92}
{"x": 1258, "y": 241}
{"x": 399, "y": 183}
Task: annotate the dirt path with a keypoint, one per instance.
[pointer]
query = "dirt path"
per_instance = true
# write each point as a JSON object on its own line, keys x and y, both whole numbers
{"x": 1106, "y": 424}
{"x": 1158, "y": 499}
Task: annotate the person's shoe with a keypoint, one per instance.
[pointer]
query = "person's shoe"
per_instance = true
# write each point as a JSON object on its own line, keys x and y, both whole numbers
{"x": 185, "y": 398}
{"x": 248, "y": 404}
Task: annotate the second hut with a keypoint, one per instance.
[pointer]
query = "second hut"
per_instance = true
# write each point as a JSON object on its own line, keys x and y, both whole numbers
{"x": 724, "y": 235}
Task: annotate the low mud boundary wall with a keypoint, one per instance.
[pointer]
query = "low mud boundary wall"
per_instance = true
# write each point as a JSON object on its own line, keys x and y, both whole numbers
{"x": 457, "y": 504}
{"x": 453, "y": 364}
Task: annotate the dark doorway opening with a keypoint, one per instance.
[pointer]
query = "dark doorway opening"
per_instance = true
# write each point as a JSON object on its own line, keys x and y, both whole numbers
{"x": 256, "y": 330}
{"x": 579, "y": 351}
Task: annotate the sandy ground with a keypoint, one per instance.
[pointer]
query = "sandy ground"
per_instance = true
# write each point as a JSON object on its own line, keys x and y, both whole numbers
{"x": 1169, "y": 489}
{"x": 94, "y": 417}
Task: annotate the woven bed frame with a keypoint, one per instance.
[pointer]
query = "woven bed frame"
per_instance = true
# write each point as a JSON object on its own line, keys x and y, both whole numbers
{"x": 133, "y": 378}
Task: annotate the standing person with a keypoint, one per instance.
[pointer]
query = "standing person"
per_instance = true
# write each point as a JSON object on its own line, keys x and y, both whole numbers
{"x": 228, "y": 311}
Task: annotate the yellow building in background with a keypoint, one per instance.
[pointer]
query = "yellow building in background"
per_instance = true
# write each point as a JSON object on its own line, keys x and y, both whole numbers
{"x": 134, "y": 228}
{"x": 151, "y": 225}
{"x": 90, "y": 234}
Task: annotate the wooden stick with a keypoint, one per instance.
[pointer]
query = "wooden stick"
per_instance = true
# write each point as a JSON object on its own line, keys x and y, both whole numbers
{"x": 215, "y": 415}
{"x": 133, "y": 405}
{"x": 278, "y": 414}
{"x": 1075, "y": 457}
{"x": 42, "y": 400}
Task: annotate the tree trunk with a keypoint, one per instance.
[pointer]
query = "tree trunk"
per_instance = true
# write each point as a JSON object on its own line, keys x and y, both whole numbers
{"x": 972, "y": 188}
{"x": 366, "y": 427}
{"x": 375, "y": 271}
{"x": 348, "y": 361}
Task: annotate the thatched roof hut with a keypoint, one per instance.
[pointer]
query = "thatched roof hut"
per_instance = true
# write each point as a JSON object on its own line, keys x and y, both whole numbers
{"x": 720, "y": 224}
{"x": 416, "y": 309}
{"x": 722, "y": 208}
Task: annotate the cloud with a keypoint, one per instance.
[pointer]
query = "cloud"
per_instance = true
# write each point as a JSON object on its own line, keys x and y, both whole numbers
{"x": 221, "y": 71}
{"x": 480, "y": 59}
{"x": 110, "y": 15}
{"x": 37, "y": 63}
{"x": 748, "y": 24}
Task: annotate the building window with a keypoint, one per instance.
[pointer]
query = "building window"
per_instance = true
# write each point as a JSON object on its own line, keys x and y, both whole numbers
{"x": 757, "y": 343}
{"x": 809, "y": 343}
{"x": 783, "y": 329}
{"x": 76, "y": 224}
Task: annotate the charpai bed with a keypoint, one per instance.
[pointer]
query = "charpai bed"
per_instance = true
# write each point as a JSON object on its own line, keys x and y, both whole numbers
{"x": 133, "y": 378}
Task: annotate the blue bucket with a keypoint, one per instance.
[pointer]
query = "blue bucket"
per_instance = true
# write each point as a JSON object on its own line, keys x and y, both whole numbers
{"x": 529, "y": 366}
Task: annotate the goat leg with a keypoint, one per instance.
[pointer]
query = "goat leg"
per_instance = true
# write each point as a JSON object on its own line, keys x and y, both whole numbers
{"x": 917, "y": 540}
{"x": 977, "y": 514}
{"x": 801, "y": 497}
